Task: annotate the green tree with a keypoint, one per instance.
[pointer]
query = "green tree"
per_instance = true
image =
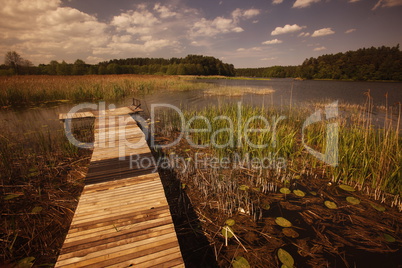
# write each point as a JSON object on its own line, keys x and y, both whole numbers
{"x": 14, "y": 60}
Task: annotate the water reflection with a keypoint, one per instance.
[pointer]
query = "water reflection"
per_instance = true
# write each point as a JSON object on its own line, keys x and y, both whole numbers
{"x": 286, "y": 92}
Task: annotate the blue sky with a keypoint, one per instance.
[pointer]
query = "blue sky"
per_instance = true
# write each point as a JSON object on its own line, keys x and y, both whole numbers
{"x": 253, "y": 33}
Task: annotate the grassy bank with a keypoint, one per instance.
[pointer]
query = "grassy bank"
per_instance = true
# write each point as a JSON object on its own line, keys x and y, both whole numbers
{"x": 30, "y": 90}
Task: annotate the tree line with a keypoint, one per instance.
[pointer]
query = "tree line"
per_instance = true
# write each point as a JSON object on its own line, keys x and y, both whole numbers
{"x": 382, "y": 63}
{"x": 190, "y": 65}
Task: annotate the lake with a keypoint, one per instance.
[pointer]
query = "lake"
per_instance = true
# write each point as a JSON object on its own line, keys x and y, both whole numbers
{"x": 286, "y": 91}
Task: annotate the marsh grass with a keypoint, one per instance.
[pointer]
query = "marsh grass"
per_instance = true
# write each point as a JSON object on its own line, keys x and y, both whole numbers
{"x": 31, "y": 90}
{"x": 237, "y": 91}
{"x": 369, "y": 158}
{"x": 41, "y": 177}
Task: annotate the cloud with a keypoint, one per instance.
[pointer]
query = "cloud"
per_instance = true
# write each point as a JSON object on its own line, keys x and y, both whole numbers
{"x": 277, "y": 2}
{"x": 322, "y": 32}
{"x": 272, "y": 42}
{"x": 319, "y": 48}
{"x": 303, "y": 34}
{"x": 350, "y": 31}
{"x": 164, "y": 12}
{"x": 252, "y": 49}
{"x": 387, "y": 3}
{"x": 269, "y": 59}
{"x": 287, "y": 29}
{"x": 221, "y": 25}
{"x": 304, "y": 3}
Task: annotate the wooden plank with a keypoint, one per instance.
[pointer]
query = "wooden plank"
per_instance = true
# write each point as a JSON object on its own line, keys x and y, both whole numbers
{"x": 122, "y": 218}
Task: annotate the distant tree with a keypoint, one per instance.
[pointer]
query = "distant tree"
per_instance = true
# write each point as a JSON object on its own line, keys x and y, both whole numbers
{"x": 14, "y": 60}
{"x": 79, "y": 67}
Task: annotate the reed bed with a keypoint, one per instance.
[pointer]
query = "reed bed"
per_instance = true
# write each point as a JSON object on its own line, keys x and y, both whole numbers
{"x": 41, "y": 178}
{"x": 237, "y": 91}
{"x": 28, "y": 90}
{"x": 369, "y": 158}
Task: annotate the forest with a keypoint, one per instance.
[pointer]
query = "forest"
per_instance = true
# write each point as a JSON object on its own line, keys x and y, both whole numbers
{"x": 190, "y": 65}
{"x": 382, "y": 63}
{"x": 365, "y": 64}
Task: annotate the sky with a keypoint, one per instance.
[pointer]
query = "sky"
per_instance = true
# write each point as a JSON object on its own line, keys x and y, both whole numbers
{"x": 246, "y": 33}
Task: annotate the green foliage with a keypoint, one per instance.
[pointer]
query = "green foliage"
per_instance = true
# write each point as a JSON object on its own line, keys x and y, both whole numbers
{"x": 330, "y": 204}
{"x": 240, "y": 262}
{"x": 382, "y": 63}
{"x": 285, "y": 258}
{"x": 283, "y": 222}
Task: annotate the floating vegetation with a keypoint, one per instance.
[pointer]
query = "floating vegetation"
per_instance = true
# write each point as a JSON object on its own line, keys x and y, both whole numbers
{"x": 346, "y": 187}
{"x": 240, "y": 262}
{"x": 283, "y": 222}
{"x": 243, "y": 187}
{"x": 285, "y": 190}
{"x": 299, "y": 193}
{"x": 285, "y": 258}
{"x": 330, "y": 204}
{"x": 289, "y": 232}
{"x": 353, "y": 200}
{"x": 230, "y": 222}
{"x": 389, "y": 238}
{"x": 377, "y": 207}
{"x": 237, "y": 91}
{"x": 227, "y": 232}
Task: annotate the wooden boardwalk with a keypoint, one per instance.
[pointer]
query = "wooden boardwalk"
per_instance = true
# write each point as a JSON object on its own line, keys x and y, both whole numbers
{"x": 122, "y": 218}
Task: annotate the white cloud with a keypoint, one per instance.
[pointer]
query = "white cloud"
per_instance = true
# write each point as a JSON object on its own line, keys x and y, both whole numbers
{"x": 277, "y": 2}
{"x": 269, "y": 59}
{"x": 252, "y": 49}
{"x": 250, "y": 13}
{"x": 164, "y": 12}
{"x": 322, "y": 32}
{"x": 272, "y": 42}
{"x": 350, "y": 31}
{"x": 319, "y": 48}
{"x": 287, "y": 29}
{"x": 220, "y": 25}
{"x": 387, "y": 3}
{"x": 304, "y": 3}
{"x": 303, "y": 34}
{"x": 354, "y": 1}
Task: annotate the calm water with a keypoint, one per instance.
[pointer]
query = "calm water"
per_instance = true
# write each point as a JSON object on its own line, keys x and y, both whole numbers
{"x": 300, "y": 93}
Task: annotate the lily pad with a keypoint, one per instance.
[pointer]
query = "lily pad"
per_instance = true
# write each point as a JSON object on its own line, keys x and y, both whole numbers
{"x": 283, "y": 222}
{"x": 227, "y": 232}
{"x": 230, "y": 222}
{"x": 352, "y": 200}
{"x": 285, "y": 258}
{"x": 378, "y": 207}
{"x": 330, "y": 204}
{"x": 289, "y": 232}
{"x": 11, "y": 196}
{"x": 389, "y": 238}
{"x": 243, "y": 187}
{"x": 26, "y": 262}
{"x": 346, "y": 188}
{"x": 36, "y": 210}
{"x": 240, "y": 262}
{"x": 299, "y": 193}
{"x": 285, "y": 190}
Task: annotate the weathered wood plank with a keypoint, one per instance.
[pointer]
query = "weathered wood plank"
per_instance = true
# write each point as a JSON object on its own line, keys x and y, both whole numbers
{"x": 122, "y": 218}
